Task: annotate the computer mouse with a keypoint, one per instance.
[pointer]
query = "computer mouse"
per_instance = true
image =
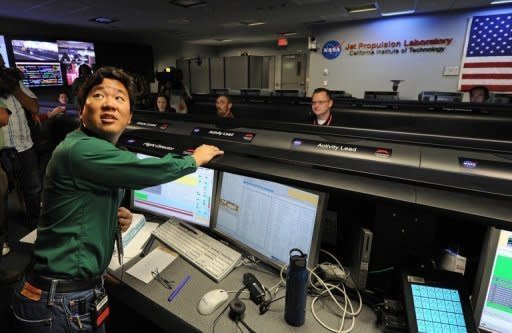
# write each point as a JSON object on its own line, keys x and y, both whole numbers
{"x": 211, "y": 301}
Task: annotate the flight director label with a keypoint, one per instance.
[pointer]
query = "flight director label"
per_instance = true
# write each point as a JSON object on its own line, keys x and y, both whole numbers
{"x": 337, "y": 148}
{"x": 141, "y": 143}
{"x": 223, "y": 134}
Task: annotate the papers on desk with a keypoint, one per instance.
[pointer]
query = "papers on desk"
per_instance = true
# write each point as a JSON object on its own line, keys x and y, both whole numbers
{"x": 135, "y": 246}
{"x": 156, "y": 260}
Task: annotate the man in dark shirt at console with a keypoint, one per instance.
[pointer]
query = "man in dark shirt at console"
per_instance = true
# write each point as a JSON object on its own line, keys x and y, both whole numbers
{"x": 82, "y": 216}
{"x": 479, "y": 94}
{"x": 223, "y": 105}
{"x": 321, "y": 104}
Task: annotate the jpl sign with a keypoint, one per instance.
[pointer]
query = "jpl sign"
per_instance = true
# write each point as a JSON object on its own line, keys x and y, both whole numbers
{"x": 331, "y": 49}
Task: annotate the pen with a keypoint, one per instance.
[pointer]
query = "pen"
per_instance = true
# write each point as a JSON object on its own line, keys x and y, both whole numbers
{"x": 178, "y": 288}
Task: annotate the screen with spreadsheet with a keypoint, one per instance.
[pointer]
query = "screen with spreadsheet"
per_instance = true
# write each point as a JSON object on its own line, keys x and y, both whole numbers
{"x": 268, "y": 219}
{"x": 496, "y": 315}
{"x": 189, "y": 198}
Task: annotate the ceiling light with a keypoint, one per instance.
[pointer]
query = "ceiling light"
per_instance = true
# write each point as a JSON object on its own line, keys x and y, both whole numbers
{"x": 362, "y": 8}
{"x": 288, "y": 34}
{"x": 499, "y": 2}
{"x": 103, "y": 20}
{"x": 224, "y": 40}
{"x": 403, "y": 12}
{"x": 253, "y": 24}
{"x": 189, "y": 3}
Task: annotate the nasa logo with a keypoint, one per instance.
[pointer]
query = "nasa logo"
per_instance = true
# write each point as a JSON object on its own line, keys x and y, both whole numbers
{"x": 331, "y": 50}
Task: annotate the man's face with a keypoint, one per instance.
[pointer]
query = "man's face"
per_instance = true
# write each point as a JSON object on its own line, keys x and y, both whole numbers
{"x": 477, "y": 96}
{"x": 223, "y": 106}
{"x": 321, "y": 103}
{"x": 107, "y": 110}
{"x": 63, "y": 99}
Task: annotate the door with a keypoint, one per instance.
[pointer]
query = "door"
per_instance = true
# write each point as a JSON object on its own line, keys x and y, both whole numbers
{"x": 293, "y": 71}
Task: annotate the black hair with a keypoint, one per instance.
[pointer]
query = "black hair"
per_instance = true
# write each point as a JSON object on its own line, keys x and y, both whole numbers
{"x": 169, "y": 109}
{"x": 107, "y": 73}
{"x": 319, "y": 90}
{"x": 483, "y": 88}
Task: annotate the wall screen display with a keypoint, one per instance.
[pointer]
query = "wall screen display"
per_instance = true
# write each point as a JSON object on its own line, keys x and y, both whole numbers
{"x": 30, "y": 50}
{"x": 40, "y": 74}
{"x": 72, "y": 54}
{"x": 3, "y": 51}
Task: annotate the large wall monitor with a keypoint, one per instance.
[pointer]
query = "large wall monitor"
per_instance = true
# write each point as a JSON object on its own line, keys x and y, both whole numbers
{"x": 268, "y": 219}
{"x": 38, "y": 61}
{"x": 3, "y": 51}
{"x": 73, "y": 54}
{"x": 189, "y": 198}
{"x": 493, "y": 289}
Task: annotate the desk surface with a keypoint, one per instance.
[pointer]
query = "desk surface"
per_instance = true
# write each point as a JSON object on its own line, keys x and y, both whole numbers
{"x": 181, "y": 314}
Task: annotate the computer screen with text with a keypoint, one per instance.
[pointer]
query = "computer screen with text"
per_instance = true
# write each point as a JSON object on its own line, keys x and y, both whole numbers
{"x": 268, "y": 219}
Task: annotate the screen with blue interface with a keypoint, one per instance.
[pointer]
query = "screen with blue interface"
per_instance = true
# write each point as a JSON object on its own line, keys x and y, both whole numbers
{"x": 3, "y": 51}
{"x": 188, "y": 198}
{"x": 438, "y": 309}
{"x": 268, "y": 218}
{"x": 497, "y": 309}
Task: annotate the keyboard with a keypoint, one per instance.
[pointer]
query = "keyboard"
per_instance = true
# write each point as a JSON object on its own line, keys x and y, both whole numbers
{"x": 206, "y": 253}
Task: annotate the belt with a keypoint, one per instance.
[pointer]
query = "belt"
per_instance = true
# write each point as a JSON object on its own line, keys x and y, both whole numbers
{"x": 63, "y": 285}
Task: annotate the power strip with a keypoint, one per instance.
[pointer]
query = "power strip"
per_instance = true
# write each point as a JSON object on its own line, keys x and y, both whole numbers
{"x": 332, "y": 272}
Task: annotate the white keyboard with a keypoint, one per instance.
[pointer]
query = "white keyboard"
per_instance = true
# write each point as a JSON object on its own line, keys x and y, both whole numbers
{"x": 208, "y": 254}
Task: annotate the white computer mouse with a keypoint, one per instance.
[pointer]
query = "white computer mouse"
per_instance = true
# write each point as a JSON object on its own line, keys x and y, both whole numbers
{"x": 211, "y": 301}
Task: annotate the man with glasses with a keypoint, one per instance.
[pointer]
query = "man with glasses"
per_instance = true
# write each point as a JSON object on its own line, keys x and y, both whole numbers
{"x": 321, "y": 104}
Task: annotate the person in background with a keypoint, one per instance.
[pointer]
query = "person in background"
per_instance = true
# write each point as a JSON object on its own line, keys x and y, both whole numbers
{"x": 162, "y": 104}
{"x": 84, "y": 71}
{"x": 479, "y": 94}
{"x": 63, "y": 98}
{"x": 321, "y": 104}
{"x": 224, "y": 104}
{"x": 82, "y": 216}
{"x": 4, "y": 187}
{"x": 22, "y": 156}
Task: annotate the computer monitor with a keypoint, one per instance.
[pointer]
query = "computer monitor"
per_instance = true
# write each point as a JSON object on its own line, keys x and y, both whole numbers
{"x": 250, "y": 92}
{"x": 3, "y": 51}
{"x": 268, "y": 219}
{"x": 440, "y": 96}
{"x": 189, "y": 198}
{"x": 286, "y": 92}
{"x": 499, "y": 98}
{"x": 493, "y": 287}
{"x": 33, "y": 50}
{"x": 41, "y": 74}
{"x": 73, "y": 54}
{"x": 381, "y": 95}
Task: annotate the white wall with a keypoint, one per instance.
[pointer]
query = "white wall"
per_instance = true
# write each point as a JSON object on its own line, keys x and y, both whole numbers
{"x": 421, "y": 71}
{"x": 266, "y": 49}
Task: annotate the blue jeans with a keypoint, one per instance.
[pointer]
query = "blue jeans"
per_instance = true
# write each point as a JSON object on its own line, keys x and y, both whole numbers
{"x": 62, "y": 313}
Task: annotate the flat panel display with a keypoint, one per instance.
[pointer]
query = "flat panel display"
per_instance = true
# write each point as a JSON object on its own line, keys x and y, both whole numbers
{"x": 189, "y": 198}
{"x": 72, "y": 54}
{"x": 40, "y": 74}
{"x": 30, "y": 50}
{"x": 268, "y": 219}
{"x": 3, "y": 51}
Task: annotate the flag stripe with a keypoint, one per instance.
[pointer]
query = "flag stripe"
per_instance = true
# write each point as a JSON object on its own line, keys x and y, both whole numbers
{"x": 487, "y": 70}
{"x": 504, "y": 88}
{"x": 487, "y": 76}
{"x": 487, "y": 64}
{"x": 486, "y": 81}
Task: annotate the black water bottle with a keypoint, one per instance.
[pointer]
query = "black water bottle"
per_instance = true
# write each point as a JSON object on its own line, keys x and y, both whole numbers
{"x": 296, "y": 289}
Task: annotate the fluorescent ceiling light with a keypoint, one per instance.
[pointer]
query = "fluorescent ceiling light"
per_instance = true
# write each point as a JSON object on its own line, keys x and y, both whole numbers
{"x": 499, "y": 2}
{"x": 362, "y": 8}
{"x": 288, "y": 34}
{"x": 403, "y": 12}
{"x": 189, "y": 3}
{"x": 253, "y": 24}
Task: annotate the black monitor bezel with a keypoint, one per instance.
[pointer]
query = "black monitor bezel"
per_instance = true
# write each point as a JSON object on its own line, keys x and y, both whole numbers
{"x": 315, "y": 242}
{"x": 163, "y": 216}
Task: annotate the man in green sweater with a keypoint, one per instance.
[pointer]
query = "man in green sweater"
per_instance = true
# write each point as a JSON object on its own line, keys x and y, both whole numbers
{"x": 81, "y": 208}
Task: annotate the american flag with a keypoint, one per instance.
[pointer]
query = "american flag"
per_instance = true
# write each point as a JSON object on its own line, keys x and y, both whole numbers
{"x": 487, "y": 59}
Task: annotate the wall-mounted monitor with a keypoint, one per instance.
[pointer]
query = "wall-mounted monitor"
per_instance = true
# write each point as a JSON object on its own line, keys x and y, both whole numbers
{"x": 30, "y": 50}
{"x": 381, "y": 95}
{"x": 40, "y": 74}
{"x": 268, "y": 219}
{"x": 440, "y": 96}
{"x": 3, "y": 51}
{"x": 500, "y": 98}
{"x": 72, "y": 54}
{"x": 189, "y": 198}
